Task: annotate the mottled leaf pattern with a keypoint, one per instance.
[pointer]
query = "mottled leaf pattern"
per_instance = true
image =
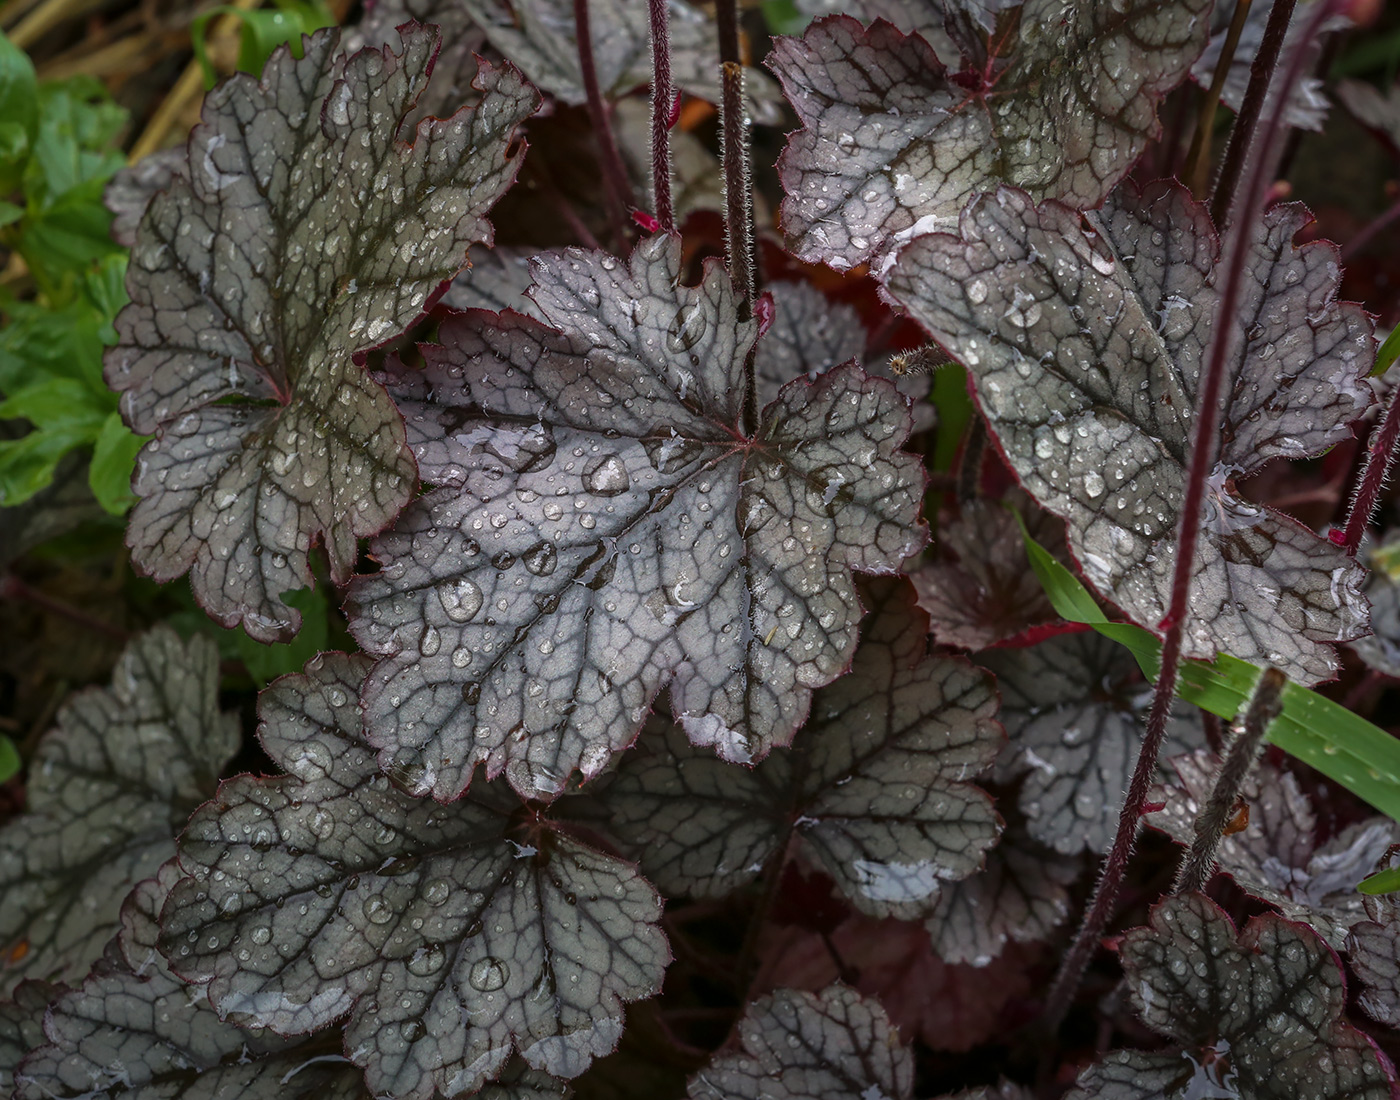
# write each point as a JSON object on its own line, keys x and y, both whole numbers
{"x": 1085, "y": 337}
{"x": 893, "y": 143}
{"x": 22, "y": 1027}
{"x": 1373, "y": 948}
{"x": 133, "y": 1030}
{"x": 449, "y": 935}
{"x": 133, "y": 187}
{"x": 1277, "y": 857}
{"x": 1258, "y": 1013}
{"x": 872, "y": 788}
{"x": 836, "y": 1045}
{"x": 809, "y": 335}
{"x": 107, "y": 791}
{"x": 614, "y": 530}
{"x": 300, "y": 230}
{"x": 1074, "y": 708}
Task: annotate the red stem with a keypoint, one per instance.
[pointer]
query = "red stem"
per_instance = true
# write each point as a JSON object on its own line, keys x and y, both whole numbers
{"x": 1380, "y": 452}
{"x": 662, "y": 96}
{"x": 1205, "y": 444}
{"x": 616, "y": 187}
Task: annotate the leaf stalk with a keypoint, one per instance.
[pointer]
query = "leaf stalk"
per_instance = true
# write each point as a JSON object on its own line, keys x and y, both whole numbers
{"x": 617, "y": 190}
{"x": 1380, "y": 454}
{"x": 1198, "y": 158}
{"x": 662, "y": 97}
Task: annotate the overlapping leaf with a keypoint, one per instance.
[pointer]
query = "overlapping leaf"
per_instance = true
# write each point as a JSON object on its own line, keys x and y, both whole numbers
{"x": 1381, "y": 648}
{"x": 836, "y": 1045}
{"x": 1074, "y": 708}
{"x": 1258, "y": 1014}
{"x": 1373, "y": 948}
{"x": 809, "y": 335}
{"x": 893, "y": 142}
{"x": 132, "y": 188}
{"x": 1277, "y": 857}
{"x": 132, "y": 1029}
{"x": 300, "y": 230}
{"x": 1020, "y": 896}
{"x": 1085, "y": 338}
{"x": 873, "y": 786}
{"x": 22, "y": 1027}
{"x": 449, "y": 936}
{"x": 615, "y": 530}
{"x": 108, "y": 789}
{"x": 539, "y": 36}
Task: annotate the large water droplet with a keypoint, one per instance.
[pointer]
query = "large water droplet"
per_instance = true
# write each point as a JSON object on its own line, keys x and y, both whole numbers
{"x": 437, "y": 891}
{"x": 460, "y": 599}
{"x": 606, "y": 476}
{"x": 377, "y": 910}
{"x": 687, "y": 328}
{"x": 427, "y": 960}
{"x": 488, "y": 974}
{"x": 541, "y": 559}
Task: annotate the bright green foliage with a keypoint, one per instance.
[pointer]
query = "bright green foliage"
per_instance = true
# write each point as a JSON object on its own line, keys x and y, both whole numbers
{"x": 57, "y": 152}
{"x": 263, "y": 31}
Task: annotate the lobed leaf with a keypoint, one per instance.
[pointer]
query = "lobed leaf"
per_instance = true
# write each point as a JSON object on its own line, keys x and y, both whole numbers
{"x": 894, "y": 141}
{"x": 107, "y": 791}
{"x": 872, "y": 790}
{"x": 1074, "y": 707}
{"x": 836, "y": 1045}
{"x": 1373, "y": 949}
{"x": 22, "y": 1027}
{"x": 1258, "y": 1013}
{"x": 1084, "y": 335}
{"x": 1276, "y": 857}
{"x": 606, "y": 528}
{"x": 449, "y": 936}
{"x": 300, "y": 231}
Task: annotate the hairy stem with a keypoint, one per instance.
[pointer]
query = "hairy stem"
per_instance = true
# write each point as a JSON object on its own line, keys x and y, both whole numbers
{"x": 617, "y": 190}
{"x": 1264, "y": 706}
{"x": 1380, "y": 453}
{"x": 1246, "y": 122}
{"x": 662, "y": 97}
{"x": 738, "y": 220}
{"x": 1198, "y": 159}
{"x": 1205, "y": 444}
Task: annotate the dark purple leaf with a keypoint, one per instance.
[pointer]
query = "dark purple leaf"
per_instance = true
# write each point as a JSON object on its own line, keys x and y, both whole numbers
{"x": 611, "y": 530}
{"x": 300, "y": 230}
{"x": 1258, "y": 1014}
{"x": 893, "y": 145}
{"x": 449, "y": 936}
{"x": 872, "y": 789}
{"x": 108, "y": 789}
{"x": 1276, "y": 857}
{"x": 836, "y": 1045}
{"x": 1084, "y": 335}
{"x": 1075, "y": 708}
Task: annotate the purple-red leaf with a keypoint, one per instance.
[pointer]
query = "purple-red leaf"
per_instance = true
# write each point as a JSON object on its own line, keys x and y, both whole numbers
{"x": 1084, "y": 335}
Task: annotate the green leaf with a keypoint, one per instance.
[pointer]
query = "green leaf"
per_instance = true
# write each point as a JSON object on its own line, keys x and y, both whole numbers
{"x": 27, "y": 464}
{"x": 113, "y": 458}
{"x": 9, "y": 755}
{"x": 19, "y": 94}
{"x": 954, "y": 407}
{"x": 263, "y": 32}
{"x": 1387, "y": 353}
{"x": 267, "y": 662}
{"x": 1341, "y": 745}
{"x": 1382, "y": 882}
{"x": 60, "y": 403}
{"x": 783, "y": 17}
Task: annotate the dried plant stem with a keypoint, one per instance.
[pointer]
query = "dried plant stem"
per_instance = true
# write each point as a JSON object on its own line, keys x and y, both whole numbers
{"x": 1247, "y": 121}
{"x": 1198, "y": 159}
{"x": 1264, "y": 706}
{"x": 1205, "y": 444}
{"x": 1380, "y": 453}
{"x": 617, "y": 190}
{"x": 662, "y": 97}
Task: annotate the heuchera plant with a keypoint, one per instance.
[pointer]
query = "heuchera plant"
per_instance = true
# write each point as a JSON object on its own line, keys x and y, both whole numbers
{"x": 727, "y": 721}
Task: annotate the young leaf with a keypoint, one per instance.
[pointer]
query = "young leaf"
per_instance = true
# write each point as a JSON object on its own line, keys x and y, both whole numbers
{"x": 1276, "y": 857}
{"x": 1258, "y": 1014}
{"x": 449, "y": 935}
{"x": 1074, "y": 708}
{"x": 107, "y": 791}
{"x": 614, "y": 530}
{"x": 1020, "y": 896}
{"x": 1084, "y": 336}
{"x": 836, "y": 1045}
{"x": 871, "y": 789}
{"x": 132, "y": 1029}
{"x": 894, "y": 143}
{"x": 300, "y": 230}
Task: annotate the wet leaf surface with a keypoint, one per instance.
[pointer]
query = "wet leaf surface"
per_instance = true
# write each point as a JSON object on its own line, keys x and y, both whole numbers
{"x": 1258, "y": 1013}
{"x": 447, "y": 936}
{"x": 22, "y": 1026}
{"x": 873, "y": 789}
{"x": 1373, "y": 949}
{"x": 803, "y": 1046}
{"x": 1075, "y": 708}
{"x": 1085, "y": 339}
{"x": 809, "y": 335}
{"x": 254, "y": 279}
{"x": 606, "y": 529}
{"x": 1277, "y": 857}
{"x": 894, "y": 143}
{"x": 108, "y": 789}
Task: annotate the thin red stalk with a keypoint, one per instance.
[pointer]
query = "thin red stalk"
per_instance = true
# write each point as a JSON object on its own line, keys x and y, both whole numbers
{"x": 616, "y": 188}
{"x": 662, "y": 96}
{"x": 1380, "y": 453}
{"x": 1205, "y": 444}
{"x": 1247, "y": 121}
{"x": 1368, "y": 232}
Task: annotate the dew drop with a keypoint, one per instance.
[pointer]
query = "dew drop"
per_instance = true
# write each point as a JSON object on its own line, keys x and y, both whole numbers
{"x": 488, "y": 974}
{"x": 460, "y": 599}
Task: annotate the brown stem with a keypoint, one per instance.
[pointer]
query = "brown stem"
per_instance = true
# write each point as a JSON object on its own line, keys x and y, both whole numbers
{"x": 1264, "y": 706}
{"x": 970, "y": 466}
{"x": 617, "y": 189}
{"x": 1198, "y": 159}
{"x": 662, "y": 96}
